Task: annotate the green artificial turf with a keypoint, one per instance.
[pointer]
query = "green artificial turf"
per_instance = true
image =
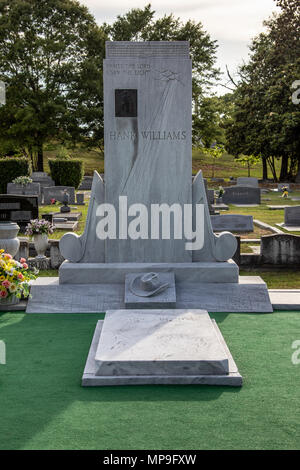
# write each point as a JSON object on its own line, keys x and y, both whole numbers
{"x": 43, "y": 406}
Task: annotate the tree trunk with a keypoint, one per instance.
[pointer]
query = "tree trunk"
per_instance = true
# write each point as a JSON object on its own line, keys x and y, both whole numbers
{"x": 284, "y": 168}
{"x": 265, "y": 169}
{"x": 40, "y": 158}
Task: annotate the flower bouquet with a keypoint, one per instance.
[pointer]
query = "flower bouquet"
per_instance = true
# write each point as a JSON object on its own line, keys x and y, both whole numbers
{"x": 22, "y": 180}
{"x": 40, "y": 229}
{"x": 14, "y": 278}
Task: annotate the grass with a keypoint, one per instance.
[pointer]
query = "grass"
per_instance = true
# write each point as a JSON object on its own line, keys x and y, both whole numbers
{"x": 224, "y": 167}
{"x": 283, "y": 279}
{"x": 43, "y": 405}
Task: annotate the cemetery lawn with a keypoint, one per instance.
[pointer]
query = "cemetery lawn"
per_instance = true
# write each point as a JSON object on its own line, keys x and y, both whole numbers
{"x": 224, "y": 167}
{"x": 43, "y": 405}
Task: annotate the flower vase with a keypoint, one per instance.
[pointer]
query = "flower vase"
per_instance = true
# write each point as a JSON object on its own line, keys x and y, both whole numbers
{"x": 40, "y": 244}
{"x": 9, "y": 241}
{"x": 8, "y": 302}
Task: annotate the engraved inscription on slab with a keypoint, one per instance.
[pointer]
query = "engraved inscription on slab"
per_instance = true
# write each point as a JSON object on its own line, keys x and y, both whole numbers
{"x": 126, "y": 103}
{"x": 9, "y": 206}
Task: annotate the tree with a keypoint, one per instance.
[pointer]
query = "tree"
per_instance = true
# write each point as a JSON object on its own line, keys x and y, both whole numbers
{"x": 266, "y": 122}
{"x": 140, "y": 25}
{"x": 50, "y": 59}
{"x": 215, "y": 152}
{"x": 249, "y": 161}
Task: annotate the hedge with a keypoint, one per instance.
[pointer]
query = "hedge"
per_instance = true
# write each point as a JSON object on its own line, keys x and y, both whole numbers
{"x": 11, "y": 168}
{"x": 67, "y": 172}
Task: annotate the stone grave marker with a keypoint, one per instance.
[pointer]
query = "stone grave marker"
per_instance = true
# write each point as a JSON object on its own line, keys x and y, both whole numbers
{"x": 19, "y": 209}
{"x": 241, "y": 195}
{"x": 30, "y": 189}
{"x": 243, "y": 181}
{"x": 57, "y": 193}
{"x": 292, "y": 216}
{"x": 232, "y": 223}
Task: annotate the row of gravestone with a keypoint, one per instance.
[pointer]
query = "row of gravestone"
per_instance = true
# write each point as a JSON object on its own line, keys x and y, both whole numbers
{"x": 44, "y": 188}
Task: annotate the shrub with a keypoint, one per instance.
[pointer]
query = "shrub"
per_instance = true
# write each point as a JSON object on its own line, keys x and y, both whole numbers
{"x": 67, "y": 172}
{"x": 11, "y": 168}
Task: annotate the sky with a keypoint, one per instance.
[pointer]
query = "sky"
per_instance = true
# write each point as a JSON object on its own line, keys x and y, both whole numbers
{"x": 233, "y": 23}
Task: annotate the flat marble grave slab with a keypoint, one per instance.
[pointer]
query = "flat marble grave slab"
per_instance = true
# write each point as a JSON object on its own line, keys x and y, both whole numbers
{"x": 133, "y": 347}
{"x": 166, "y": 299}
{"x": 289, "y": 228}
{"x": 250, "y": 294}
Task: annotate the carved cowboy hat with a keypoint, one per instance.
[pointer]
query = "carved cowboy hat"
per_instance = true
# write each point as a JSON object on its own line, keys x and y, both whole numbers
{"x": 146, "y": 285}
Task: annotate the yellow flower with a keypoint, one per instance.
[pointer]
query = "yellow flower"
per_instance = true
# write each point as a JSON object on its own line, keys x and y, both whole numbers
{"x": 2, "y": 278}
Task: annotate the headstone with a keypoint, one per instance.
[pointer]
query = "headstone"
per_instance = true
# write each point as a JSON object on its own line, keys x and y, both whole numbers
{"x": 218, "y": 180}
{"x": 147, "y": 121}
{"x": 292, "y": 216}
{"x": 232, "y": 223}
{"x": 19, "y": 209}
{"x": 79, "y": 199}
{"x": 211, "y": 196}
{"x": 241, "y": 195}
{"x": 86, "y": 184}
{"x": 163, "y": 296}
{"x": 148, "y": 160}
{"x": 43, "y": 179}
{"x": 242, "y": 181}
{"x": 283, "y": 249}
{"x": 57, "y": 193}
{"x": 30, "y": 189}
{"x": 48, "y": 217}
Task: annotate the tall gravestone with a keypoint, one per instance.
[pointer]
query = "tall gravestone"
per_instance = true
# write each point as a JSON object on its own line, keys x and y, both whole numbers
{"x": 147, "y": 128}
{"x": 148, "y": 142}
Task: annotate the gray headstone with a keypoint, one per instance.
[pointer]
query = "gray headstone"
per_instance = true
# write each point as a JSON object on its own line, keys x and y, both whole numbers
{"x": 280, "y": 249}
{"x": 20, "y": 209}
{"x": 43, "y": 178}
{"x": 80, "y": 198}
{"x": 30, "y": 189}
{"x": 211, "y": 196}
{"x": 232, "y": 223}
{"x": 147, "y": 121}
{"x": 292, "y": 216}
{"x": 57, "y": 193}
{"x": 86, "y": 184}
{"x": 243, "y": 181}
{"x": 241, "y": 195}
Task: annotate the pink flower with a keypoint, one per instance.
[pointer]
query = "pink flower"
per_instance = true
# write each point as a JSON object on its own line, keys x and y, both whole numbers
{"x": 7, "y": 256}
{"x": 20, "y": 276}
{"x": 3, "y": 294}
{"x": 22, "y": 260}
{"x": 6, "y": 284}
{"x": 25, "y": 266}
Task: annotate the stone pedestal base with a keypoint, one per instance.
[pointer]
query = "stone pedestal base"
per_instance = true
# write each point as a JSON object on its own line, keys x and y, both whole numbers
{"x": 250, "y": 294}
{"x": 106, "y": 273}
